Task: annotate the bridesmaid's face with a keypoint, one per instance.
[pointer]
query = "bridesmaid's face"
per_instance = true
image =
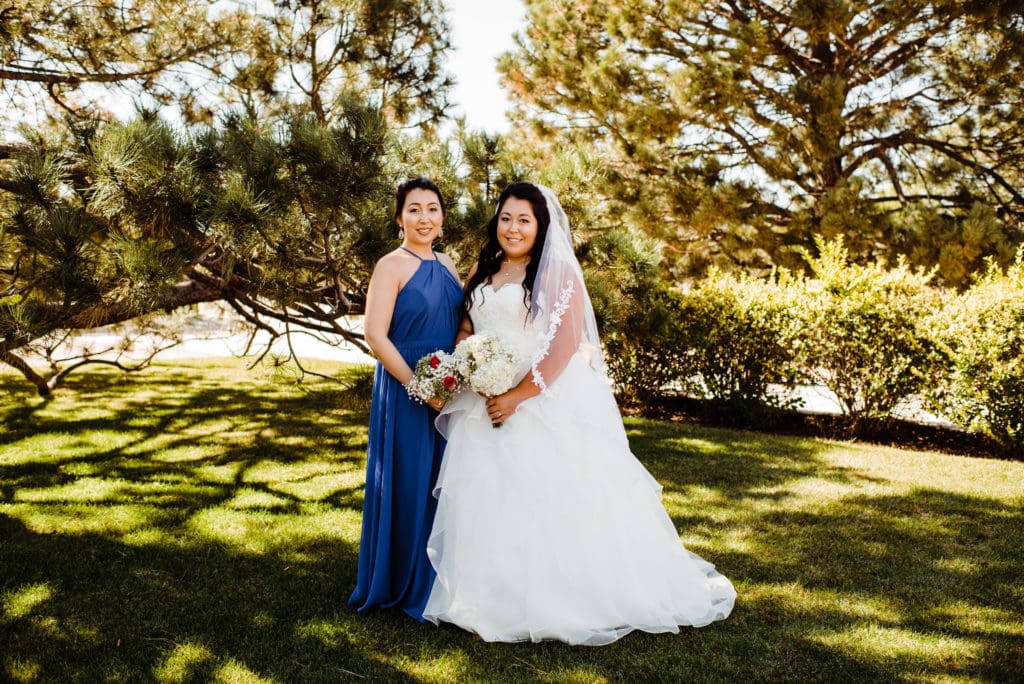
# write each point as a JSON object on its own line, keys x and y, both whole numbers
{"x": 517, "y": 228}
{"x": 421, "y": 216}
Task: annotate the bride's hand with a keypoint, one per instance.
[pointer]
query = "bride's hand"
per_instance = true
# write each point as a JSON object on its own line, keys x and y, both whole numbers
{"x": 500, "y": 407}
{"x": 436, "y": 404}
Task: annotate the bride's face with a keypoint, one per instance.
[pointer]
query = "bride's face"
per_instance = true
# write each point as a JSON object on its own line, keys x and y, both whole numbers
{"x": 517, "y": 228}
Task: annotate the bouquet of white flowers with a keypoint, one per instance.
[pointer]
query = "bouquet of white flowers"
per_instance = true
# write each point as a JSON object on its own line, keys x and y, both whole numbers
{"x": 436, "y": 376}
{"x": 488, "y": 363}
{"x": 484, "y": 362}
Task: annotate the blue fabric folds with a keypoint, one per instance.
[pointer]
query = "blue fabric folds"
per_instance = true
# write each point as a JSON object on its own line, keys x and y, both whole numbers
{"x": 404, "y": 453}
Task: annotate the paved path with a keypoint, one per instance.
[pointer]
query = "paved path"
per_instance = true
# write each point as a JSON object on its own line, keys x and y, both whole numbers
{"x": 213, "y": 331}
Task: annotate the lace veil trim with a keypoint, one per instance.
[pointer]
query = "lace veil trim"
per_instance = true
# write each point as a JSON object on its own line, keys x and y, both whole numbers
{"x": 554, "y": 320}
{"x": 569, "y": 326}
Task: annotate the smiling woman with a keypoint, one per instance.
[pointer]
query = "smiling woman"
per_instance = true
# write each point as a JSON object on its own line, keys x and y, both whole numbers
{"x": 419, "y": 223}
{"x": 551, "y": 528}
{"x": 413, "y": 307}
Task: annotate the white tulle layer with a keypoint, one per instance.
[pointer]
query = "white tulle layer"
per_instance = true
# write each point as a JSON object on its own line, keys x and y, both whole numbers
{"x": 549, "y": 528}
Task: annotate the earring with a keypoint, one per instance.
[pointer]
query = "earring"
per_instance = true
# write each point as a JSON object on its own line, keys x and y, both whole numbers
{"x": 440, "y": 233}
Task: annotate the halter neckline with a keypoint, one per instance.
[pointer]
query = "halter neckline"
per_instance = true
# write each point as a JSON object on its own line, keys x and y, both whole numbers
{"x": 417, "y": 255}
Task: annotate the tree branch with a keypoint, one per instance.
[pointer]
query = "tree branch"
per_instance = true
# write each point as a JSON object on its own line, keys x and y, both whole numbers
{"x": 22, "y": 367}
{"x": 949, "y": 151}
{"x": 10, "y": 149}
{"x": 48, "y": 76}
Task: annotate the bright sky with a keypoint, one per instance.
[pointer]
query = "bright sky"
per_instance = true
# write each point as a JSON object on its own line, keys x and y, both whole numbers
{"x": 480, "y": 32}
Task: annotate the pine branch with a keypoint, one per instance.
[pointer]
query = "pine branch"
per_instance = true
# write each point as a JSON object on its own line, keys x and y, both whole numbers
{"x": 102, "y": 315}
{"x": 950, "y": 151}
{"x": 58, "y": 378}
{"x": 10, "y": 149}
{"x": 52, "y": 77}
{"x": 22, "y": 366}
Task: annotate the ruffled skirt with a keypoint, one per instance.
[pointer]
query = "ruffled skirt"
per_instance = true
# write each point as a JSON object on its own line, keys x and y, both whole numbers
{"x": 549, "y": 527}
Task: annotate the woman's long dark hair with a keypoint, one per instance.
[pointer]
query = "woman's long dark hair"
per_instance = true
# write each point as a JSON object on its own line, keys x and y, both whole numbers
{"x": 489, "y": 261}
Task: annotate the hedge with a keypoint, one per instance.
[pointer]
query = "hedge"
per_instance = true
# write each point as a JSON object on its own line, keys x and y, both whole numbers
{"x": 876, "y": 335}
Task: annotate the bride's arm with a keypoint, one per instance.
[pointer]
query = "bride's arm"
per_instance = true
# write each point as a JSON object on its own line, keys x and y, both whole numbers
{"x": 566, "y": 336}
{"x": 465, "y": 330}
{"x": 563, "y": 345}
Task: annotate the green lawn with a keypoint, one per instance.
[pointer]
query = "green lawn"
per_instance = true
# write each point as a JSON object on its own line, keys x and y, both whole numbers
{"x": 200, "y": 522}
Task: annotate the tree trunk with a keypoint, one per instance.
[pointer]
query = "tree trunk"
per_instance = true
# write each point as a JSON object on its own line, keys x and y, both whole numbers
{"x": 22, "y": 366}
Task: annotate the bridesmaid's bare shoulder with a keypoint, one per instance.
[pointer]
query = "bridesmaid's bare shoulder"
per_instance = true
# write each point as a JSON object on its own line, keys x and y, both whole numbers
{"x": 396, "y": 267}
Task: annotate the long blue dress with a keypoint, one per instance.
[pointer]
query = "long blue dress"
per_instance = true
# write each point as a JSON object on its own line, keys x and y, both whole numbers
{"x": 404, "y": 452}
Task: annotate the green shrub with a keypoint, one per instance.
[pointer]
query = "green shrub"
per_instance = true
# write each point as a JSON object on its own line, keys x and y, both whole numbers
{"x": 645, "y": 356}
{"x": 636, "y": 311}
{"x": 738, "y": 334}
{"x": 983, "y": 331}
{"x": 727, "y": 340}
{"x": 863, "y": 332}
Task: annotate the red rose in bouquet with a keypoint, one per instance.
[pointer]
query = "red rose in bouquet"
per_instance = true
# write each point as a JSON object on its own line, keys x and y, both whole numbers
{"x": 436, "y": 376}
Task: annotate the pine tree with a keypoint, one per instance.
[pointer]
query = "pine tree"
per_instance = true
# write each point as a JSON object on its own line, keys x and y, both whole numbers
{"x": 61, "y": 56}
{"x": 281, "y": 223}
{"x": 738, "y": 131}
{"x": 272, "y": 193}
{"x": 199, "y": 59}
{"x": 314, "y": 55}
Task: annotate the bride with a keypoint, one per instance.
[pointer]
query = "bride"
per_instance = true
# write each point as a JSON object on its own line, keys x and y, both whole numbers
{"x": 549, "y": 528}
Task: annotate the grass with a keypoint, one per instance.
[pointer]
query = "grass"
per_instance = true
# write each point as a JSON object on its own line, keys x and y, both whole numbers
{"x": 201, "y": 523}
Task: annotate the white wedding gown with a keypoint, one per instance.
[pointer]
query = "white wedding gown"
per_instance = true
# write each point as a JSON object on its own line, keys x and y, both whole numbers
{"x": 548, "y": 527}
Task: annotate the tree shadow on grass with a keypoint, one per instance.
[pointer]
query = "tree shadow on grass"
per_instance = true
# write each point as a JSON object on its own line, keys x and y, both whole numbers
{"x": 927, "y": 584}
{"x": 933, "y": 557}
{"x": 111, "y": 611}
{"x": 156, "y": 601}
{"x": 120, "y": 586}
{"x": 735, "y": 463}
{"x": 234, "y": 427}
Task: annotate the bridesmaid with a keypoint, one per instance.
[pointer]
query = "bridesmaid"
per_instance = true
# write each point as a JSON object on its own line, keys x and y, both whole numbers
{"x": 413, "y": 307}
